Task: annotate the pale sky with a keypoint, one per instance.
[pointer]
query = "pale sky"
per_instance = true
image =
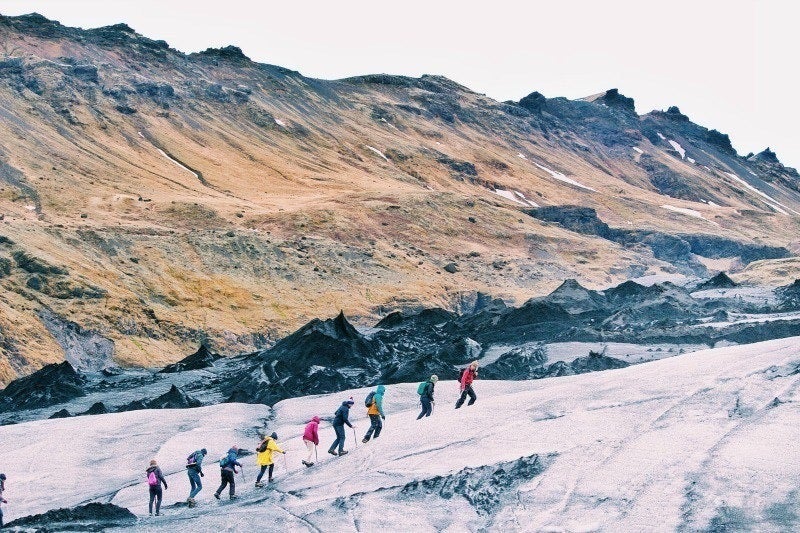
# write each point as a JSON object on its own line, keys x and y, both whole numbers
{"x": 730, "y": 65}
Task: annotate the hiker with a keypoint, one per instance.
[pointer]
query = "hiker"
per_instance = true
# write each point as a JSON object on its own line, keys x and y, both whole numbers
{"x": 341, "y": 418}
{"x": 375, "y": 403}
{"x": 311, "y": 439}
{"x": 264, "y": 457}
{"x": 194, "y": 469}
{"x": 425, "y": 391}
{"x": 154, "y": 479}
{"x": 227, "y": 467}
{"x": 468, "y": 375}
{"x": 2, "y": 500}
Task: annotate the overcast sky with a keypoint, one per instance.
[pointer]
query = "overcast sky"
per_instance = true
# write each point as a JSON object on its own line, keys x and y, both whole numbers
{"x": 729, "y": 65}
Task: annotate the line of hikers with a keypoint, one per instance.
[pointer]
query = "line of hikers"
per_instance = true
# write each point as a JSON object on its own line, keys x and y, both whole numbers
{"x": 269, "y": 443}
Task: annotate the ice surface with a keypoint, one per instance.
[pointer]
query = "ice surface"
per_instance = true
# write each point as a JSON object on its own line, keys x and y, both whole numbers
{"x": 679, "y": 443}
{"x": 561, "y": 177}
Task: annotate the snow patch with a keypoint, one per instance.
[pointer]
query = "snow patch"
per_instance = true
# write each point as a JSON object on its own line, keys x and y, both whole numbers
{"x": 661, "y": 136}
{"x": 280, "y": 123}
{"x": 375, "y": 150}
{"x": 521, "y": 155}
{"x": 678, "y": 148}
{"x": 684, "y": 211}
{"x": 690, "y": 160}
{"x": 637, "y": 149}
{"x": 769, "y": 200}
{"x": 30, "y": 207}
{"x": 561, "y": 177}
{"x": 178, "y": 163}
{"x": 514, "y": 196}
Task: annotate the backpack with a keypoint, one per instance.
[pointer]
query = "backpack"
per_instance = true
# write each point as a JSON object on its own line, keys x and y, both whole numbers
{"x": 152, "y": 479}
{"x": 191, "y": 460}
{"x": 461, "y": 373}
{"x": 263, "y": 447}
{"x": 369, "y": 400}
{"x": 421, "y": 388}
{"x": 224, "y": 461}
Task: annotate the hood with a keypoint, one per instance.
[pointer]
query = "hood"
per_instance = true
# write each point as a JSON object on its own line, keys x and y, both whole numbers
{"x": 234, "y": 451}
{"x": 315, "y": 419}
{"x": 151, "y": 468}
{"x": 380, "y": 389}
{"x": 347, "y": 403}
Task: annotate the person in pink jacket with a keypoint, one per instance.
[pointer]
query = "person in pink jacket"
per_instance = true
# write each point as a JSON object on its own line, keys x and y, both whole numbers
{"x": 311, "y": 439}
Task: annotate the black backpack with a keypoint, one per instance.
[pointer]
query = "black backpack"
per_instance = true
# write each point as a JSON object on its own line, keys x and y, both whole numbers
{"x": 369, "y": 399}
{"x": 461, "y": 374}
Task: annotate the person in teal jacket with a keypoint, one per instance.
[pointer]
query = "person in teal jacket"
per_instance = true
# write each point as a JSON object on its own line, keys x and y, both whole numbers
{"x": 376, "y": 415}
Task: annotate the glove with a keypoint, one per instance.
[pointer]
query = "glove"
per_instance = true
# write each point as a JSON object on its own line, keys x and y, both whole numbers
{"x": 165, "y": 486}
{"x": 202, "y": 474}
{"x": 383, "y": 417}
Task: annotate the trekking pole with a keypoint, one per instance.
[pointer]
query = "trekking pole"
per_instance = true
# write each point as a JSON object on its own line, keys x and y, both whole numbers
{"x": 241, "y": 471}
{"x": 354, "y": 436}
{"x": 285, "y": 466}
{"x": 316, "y": 454}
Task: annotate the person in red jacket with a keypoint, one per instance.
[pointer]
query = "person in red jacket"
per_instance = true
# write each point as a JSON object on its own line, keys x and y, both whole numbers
{"x": 311, "y": 439}
{"x": 468, "y": 375}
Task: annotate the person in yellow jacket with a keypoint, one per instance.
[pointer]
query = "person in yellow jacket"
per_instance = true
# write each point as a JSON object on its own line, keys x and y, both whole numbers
{"x": 264, "y": 457}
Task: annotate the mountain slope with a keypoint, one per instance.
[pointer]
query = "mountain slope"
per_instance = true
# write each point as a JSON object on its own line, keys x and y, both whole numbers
{"x": 696, "y": 442}
{"x": 152, "y": 199}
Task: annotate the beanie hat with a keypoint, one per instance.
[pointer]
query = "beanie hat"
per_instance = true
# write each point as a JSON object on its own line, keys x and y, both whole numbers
{"x": 434, "y": 378}
{"x": 274, "y": 435}
{"x": 204, "y": 451}
{"x": 3, "y": 477}
{"x": 350, "y": 401}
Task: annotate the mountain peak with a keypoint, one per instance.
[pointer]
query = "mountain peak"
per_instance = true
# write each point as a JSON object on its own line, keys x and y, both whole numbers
{"x": 765, "y": 156}
{"x": 534, "y": 102}
{"x": 228, "y": 53}
{"x": 612, "y": 98}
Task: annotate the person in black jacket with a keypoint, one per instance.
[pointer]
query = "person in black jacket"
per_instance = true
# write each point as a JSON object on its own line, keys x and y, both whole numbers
{"x": 154, "y": 479}
{"x": 426, "y": 398}
{"x": 339, "y": 420}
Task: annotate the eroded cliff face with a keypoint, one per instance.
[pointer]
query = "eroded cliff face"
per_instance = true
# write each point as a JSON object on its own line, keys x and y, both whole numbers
{"x": 151, "y": 200}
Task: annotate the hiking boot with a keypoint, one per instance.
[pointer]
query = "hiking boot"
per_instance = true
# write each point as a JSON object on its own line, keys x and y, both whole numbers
{"x": 234, "y": 497}
{"x": 365, "y": 440}
{"x": 158, "y": 514}
{"x": 270, "y": 480}
{"x": 216, "y": 495}
{"x": 259, "y": 484}
{"x": 306, "y": 463}
{"x": 332, "y": 452}
{"x": 343, "y": 452}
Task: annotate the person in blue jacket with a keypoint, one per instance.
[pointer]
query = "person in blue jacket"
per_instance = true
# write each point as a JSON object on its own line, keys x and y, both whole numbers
{"x": 228, "y": 466}
{"x": 340, "y": 419}
{"x": 376, "y": 415}
{"x": 194, "y": 469}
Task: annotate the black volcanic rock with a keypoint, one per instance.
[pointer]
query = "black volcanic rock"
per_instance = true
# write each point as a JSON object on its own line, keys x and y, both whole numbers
{"x": 174, "y": 398}
{"x": 318, "y": 358}
{"x": 673, "y": 113}
{"x": 63, "y": 413}
{"x": 720, "y": 281}
{"x": 613, "y": 98}
{"x": 534, "y": 102}
{"x": 202, "y": 358}
{"x": 766, "y": 156}
{"x": 520, "y": 363}
{"x": 576, "y": 218}
{"x": 720, "y": 140}
{"x": 575, "y": 298}
{"x": 98, "y": 408}
{"x": 227, "y": 53}
{"x": 596, "y": 362}
{"x": 51, "y": 385}
{"x": 89, "y": 517}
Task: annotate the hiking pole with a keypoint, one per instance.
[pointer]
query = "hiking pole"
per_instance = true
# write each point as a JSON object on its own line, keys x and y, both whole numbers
{"x": 241, "y": 471}
{"x": 316, "y": 453}
{"x": 285, "y": 466}
{"x": 354, "y": 436}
